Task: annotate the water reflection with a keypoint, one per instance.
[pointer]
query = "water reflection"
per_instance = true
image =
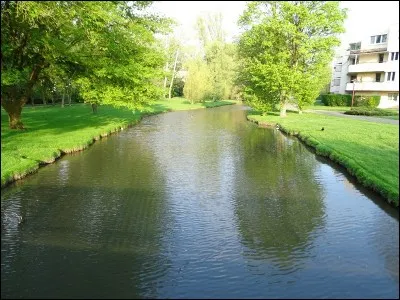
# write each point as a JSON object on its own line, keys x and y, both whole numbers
{"x": 278, "y": 218}
{"x": 198, "y": 204}
{"x": 100, "y": 237}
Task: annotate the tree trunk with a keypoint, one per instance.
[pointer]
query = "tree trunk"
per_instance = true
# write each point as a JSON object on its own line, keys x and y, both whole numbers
{"x": 32, "y": 101}
{"x": 14, "y": 109}
{"x": 62, "y": 98}
{"x": 69, "y": 98}
{"x": 173, "y": 76}
{"x": 43, "y": 96}
{"x": 283, "y": 109}
{"x": 52, "y": 99}
{"x": 165, "y": 78}
{"x": 94, "y": 108}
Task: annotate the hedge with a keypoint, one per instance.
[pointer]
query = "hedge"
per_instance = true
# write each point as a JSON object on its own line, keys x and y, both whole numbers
{"x": 336, "y": 99}
{"x": 366, "y": 101}
{"x": 345, "y": 100}
{"x": 367, "y": 111}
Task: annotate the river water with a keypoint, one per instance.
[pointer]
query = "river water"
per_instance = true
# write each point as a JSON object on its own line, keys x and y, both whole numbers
{"x": 196, "y": 204}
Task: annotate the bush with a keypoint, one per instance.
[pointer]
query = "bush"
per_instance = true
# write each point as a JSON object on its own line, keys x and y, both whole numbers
{"x": 367, "y": 101}
{"x": 368, "y": 111}
{"x": 336, "y": 99}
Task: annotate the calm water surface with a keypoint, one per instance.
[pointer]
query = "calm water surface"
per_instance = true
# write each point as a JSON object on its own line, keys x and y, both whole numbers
{"x": 197, "y": 204}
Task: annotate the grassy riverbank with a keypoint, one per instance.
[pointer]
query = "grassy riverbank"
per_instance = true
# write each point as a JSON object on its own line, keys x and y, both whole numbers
{"x": 369, "y": 151}
{"x": 52, "y": 131}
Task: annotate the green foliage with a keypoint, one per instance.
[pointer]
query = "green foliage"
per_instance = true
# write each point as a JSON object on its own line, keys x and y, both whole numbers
{"x": 367, "y": 101}
{"x": 197, "y": 84}
{"x": 177, "y": 88}
{"x": 370, "y": 151}
{"x": 286, "y": 49}
{"x": 336, "y": 99}
{"x": 370, "y": 111}
{"x": 219, "y": 57}
{"x": 107, "y": 50}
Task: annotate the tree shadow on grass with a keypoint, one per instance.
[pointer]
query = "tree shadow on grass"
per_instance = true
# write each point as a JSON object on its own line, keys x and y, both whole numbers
{"x": 56, "y": 120}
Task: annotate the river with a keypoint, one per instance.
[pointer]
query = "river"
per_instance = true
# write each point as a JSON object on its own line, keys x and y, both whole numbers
{"x": 197, "y": 204}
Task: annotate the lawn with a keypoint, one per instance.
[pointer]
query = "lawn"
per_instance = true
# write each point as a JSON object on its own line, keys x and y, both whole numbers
{"x": 370, "y": 151}
{"x": 52, "y": 130}
{"x": 330, "y": 108}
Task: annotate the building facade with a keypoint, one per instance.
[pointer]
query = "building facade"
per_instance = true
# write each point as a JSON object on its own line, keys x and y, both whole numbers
{"x": 370, "y": 67}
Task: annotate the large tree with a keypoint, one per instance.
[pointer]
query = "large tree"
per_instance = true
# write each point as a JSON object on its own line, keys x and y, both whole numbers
{"x": 286, "y": 48}
{"x": 109, "y": 48}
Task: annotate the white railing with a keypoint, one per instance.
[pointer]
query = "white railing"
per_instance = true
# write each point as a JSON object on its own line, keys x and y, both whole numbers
{"x": 368, "y": 67}
{"x": 389, "y": 86}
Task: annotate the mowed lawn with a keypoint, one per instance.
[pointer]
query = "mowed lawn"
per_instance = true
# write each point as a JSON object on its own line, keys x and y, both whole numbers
{"x": 370, "y": 151}
{"x": 51, "y": 130}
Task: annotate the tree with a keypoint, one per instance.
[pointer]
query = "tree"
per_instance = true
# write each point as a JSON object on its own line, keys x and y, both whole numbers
{"x": 286, "y": 48}
{"x": 108, "y": 46}
{"x": 219, "y": 56}
{"x": 197, "y": 81}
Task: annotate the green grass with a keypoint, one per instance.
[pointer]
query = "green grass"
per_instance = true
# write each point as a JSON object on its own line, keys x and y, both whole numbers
{"x": 51, "y": 131}
{"x": 369, "y": 151}
{"x": 391, "y": 117}
{"x": 330, "y": 108}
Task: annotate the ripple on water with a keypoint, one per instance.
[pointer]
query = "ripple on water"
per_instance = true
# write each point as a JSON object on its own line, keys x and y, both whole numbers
{"x": 199, "y": 204}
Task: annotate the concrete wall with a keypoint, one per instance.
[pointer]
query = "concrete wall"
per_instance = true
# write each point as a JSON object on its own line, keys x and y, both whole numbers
{"x": 366, "y": 77}
{"x": 393, "y": 38}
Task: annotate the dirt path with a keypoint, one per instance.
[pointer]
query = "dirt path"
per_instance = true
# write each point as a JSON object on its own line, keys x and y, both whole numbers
{"x": 364, "y": 118}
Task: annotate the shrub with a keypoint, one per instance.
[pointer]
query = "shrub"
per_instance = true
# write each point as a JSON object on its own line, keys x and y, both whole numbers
{"x": 367, "y": 101}
{"x": 336, "y": 99}
{"x": 368, "y": 111}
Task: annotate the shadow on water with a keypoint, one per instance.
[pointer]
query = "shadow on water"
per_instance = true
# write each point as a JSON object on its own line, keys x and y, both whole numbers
{"x": 96, "y": 235}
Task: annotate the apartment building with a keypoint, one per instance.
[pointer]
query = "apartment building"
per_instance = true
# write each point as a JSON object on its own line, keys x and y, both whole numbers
{"x": 370, "y": 67}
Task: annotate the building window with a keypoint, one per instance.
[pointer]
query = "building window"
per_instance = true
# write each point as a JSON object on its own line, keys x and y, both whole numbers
{"x": 336, "y": 82}
{"x": 355, "y": 46}
{"x": 377, "y": 39}
{"x": 393, "y": 96}
{"x": 380, "y": 58}
{"x": 378, "y": 77}
{"x": 390, "y": 76}
{"x": 353, "y": 78}
{"x": 338, "y": 67}
{"x": 394, "y": 56}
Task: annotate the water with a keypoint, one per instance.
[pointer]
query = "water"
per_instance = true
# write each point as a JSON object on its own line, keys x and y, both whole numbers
{"x": 197, "y": 204}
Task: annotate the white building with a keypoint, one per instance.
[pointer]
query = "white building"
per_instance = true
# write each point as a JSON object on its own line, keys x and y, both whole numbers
{"x": 370, "y": 67}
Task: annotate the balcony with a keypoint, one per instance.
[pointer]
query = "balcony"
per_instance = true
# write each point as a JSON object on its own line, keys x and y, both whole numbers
{"x": 386, "y": 86}
{"x": 368, "y": 67}
{"x": 374, "y": 48}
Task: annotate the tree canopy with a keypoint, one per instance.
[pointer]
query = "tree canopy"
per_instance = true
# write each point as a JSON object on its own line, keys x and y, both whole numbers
{"x": 108, "y": 47}
{"x": 286, "y": 49}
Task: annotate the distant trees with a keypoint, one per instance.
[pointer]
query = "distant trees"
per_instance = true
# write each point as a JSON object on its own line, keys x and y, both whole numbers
{"x": 286, "y": 49}
{"x": 106, "y": 50}
{"x": 212, "y": 70}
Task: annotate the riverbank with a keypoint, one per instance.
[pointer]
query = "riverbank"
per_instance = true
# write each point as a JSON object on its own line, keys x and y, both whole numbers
{"x": 54, "y": 131}
{"x": 369, "y": 151}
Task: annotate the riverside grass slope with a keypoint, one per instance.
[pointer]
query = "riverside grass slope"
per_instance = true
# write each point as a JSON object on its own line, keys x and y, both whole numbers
{"x": 369, "y": 151}
{"x": 52, "y": 131}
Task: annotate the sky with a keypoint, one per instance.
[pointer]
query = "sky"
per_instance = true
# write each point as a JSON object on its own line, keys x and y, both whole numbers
{"x": 364, "y": 17}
